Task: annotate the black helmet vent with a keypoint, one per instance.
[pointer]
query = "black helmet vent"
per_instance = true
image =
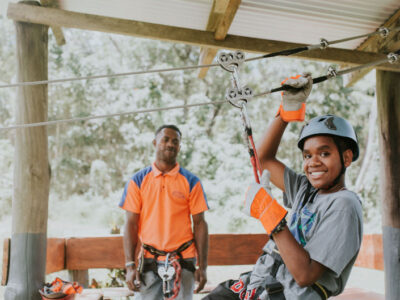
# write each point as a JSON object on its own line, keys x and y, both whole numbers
{"x": 329, "y": 124}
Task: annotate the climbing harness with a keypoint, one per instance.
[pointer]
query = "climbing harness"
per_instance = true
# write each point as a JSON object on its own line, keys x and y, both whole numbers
{"x": 60, "y": 289}
{"x": 170, "y": 271}
{"x": 238, "y": 96}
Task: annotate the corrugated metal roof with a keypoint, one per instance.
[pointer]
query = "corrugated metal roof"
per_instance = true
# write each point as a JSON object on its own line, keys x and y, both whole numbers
{"x": 298, "y": 21}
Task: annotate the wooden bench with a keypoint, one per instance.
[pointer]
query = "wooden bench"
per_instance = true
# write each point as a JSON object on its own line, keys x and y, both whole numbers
{"x": 80, "y": 254}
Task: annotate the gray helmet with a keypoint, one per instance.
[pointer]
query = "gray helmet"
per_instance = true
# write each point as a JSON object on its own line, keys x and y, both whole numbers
{"x": 330, "y": 125}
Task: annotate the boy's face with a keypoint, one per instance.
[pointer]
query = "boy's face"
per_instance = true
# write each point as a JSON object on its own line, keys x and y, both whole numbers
{"x": 321, "y": 161}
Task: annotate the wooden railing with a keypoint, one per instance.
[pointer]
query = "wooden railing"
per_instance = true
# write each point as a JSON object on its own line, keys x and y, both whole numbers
{"x": 78, "y": 254}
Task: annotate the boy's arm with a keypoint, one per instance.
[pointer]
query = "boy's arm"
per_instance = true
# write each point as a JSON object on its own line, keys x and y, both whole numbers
{"x": 268, "y": 149}
{"x": 292, "y": 109}
{"x": 304, "y": 270}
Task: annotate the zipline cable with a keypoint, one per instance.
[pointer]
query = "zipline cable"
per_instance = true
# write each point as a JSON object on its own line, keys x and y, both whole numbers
{"x": 323, "y": 44}
{"x": 392, "y": 58}
{"x": 48, "y": 123}
{"x": 383, "y": 31}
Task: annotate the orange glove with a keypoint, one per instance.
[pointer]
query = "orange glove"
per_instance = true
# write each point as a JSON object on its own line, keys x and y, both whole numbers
{"x": 260, "y": 205}
{"x": 293, "y": 106}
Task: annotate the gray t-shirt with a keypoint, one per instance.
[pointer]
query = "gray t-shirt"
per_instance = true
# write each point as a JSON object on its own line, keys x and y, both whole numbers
{"x": 329, "y": 228}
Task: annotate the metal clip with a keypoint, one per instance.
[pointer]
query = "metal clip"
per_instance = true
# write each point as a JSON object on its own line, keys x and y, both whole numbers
{"x": 238, "y": 97}
{"x": 332, "y": 72}
{"x": 230, "y": 61}
{"x": 392, "y": 57}
{"x": 383, "y": 32}
{"x": 323, "y": 43}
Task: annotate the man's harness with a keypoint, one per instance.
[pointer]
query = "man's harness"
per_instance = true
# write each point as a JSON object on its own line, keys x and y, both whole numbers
{"x": 171, "y": 269}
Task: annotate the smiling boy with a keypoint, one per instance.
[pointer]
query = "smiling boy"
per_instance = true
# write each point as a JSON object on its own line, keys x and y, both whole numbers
{"x": 311, "y": 255}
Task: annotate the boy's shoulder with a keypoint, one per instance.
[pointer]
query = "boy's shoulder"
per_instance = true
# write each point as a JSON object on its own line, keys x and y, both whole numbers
{"x": 345, "y": 200}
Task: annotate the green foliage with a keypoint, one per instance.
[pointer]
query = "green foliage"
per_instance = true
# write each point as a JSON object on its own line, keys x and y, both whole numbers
{"x": 93, "y": 159}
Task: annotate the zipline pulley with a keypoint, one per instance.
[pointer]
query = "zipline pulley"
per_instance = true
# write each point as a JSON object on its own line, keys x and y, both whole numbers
{"x": 238, "y": 96}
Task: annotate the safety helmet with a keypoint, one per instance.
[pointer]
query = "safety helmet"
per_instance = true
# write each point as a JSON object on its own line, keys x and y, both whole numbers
{"x": 330, "y": 125}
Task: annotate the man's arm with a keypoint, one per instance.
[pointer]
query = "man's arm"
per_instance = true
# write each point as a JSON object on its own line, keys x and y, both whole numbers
{"x": 130, "y": 243}
{"x": 200, "y": 231}
{"x": 304, "y": 270}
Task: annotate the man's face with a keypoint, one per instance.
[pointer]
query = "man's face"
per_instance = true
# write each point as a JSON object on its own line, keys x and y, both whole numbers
{"x": 167, "y": 143}
{"x": 321, "y": 161}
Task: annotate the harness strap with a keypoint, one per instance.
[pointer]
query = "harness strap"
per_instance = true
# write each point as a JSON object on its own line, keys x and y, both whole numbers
{"x": 321, "y": 291}
{"x": 156, "y": 253}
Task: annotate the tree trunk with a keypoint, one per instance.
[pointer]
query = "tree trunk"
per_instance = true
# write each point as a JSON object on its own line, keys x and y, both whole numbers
{"x": 31, "y": 168}
{"x": 388, "y": 91}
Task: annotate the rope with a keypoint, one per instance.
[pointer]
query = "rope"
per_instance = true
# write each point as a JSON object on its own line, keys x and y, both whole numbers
{"x": 48, "y": 123}
{"x": 323, "y": 44}
{"x": 177, "y": 282}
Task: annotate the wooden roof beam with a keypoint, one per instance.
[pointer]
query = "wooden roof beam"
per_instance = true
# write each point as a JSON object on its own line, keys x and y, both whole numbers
{"x": 378, "y": 44}
{"x": 221, "y": 16}
{"x": 57, "y": 31}
{"x": 68, "y": 19}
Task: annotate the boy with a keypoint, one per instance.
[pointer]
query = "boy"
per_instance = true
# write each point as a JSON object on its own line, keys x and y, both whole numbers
{"x": 310, "y": 257}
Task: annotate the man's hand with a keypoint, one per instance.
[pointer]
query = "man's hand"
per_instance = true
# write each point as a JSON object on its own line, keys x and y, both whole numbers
{"x": 260, "y": 204}
{"x": 200, "y": 276}
{"x": 293, "y": 105}
{"x": 132, "y": 279}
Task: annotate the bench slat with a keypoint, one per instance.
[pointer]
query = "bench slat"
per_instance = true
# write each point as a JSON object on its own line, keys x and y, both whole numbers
{"x": 235, "y": 249}
{"x": 224, "y": 249}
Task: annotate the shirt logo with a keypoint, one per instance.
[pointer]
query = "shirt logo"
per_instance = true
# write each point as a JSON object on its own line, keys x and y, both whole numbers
{"x": 179, "y": 195}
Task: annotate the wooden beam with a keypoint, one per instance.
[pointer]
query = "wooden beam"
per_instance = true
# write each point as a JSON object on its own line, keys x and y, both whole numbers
{"x": 219, "y": 21}
{"x": 53, "y": 16}
{"x": 388, "y": 94}
{"x": 223, "y": 26}
{"x": 31, "y": 166}
{"x": 206, "y": 57}
{"x": 57, "y": 31}
{"x": 378, "y": 44}
{"x": 217, "y": 12}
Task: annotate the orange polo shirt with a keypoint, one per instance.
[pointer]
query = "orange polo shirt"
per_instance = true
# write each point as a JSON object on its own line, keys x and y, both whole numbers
{"x": 165, "y": 203}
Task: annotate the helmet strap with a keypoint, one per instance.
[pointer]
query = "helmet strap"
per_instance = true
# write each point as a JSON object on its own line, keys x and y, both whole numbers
{"x": 337, "y": 179}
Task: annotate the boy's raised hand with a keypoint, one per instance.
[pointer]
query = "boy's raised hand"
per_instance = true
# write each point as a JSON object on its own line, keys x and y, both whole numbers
{"x": 259, "y": 203}
{"x": 293, "y": 106}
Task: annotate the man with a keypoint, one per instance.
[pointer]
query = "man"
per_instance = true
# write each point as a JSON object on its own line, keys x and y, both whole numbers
{"x": 159, "y": 201}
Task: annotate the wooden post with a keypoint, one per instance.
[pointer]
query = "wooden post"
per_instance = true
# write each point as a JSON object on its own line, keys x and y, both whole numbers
{"x": 31, "y": 167}
{"x": 388, "y": 91}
